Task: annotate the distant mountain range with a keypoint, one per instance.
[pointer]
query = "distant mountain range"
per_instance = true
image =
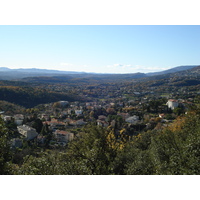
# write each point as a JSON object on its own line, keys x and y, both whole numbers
{"x": 181, "y": 71}
{"x": 35, "y": 74}
{"x": 173, "y": 70}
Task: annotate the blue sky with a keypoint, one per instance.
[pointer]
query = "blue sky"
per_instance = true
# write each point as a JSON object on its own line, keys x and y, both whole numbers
{"x": 104, "y": 49}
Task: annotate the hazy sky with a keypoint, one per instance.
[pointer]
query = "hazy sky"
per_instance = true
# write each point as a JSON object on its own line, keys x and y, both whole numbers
{"x": 105, "y": 49}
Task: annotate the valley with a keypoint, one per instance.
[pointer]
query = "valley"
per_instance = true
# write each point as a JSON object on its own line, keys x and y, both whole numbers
{"x": 63, "y": 115}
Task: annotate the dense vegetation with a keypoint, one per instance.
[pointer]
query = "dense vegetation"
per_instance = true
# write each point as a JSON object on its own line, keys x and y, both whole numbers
{"x": 32, "y": 96}
{"x": 172, "y": 150}
{"x": 10, "y": 108}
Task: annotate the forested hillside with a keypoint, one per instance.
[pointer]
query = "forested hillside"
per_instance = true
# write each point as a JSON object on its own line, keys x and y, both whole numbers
{"x": 10, "y": 108}
{"x": 32, "y": 96}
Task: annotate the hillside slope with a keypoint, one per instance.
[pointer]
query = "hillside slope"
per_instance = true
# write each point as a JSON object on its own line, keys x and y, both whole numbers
{"x": 173, "y": 70}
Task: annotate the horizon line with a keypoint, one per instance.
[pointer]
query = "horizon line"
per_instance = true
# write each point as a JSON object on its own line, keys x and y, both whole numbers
{"x": 57, "y": 70}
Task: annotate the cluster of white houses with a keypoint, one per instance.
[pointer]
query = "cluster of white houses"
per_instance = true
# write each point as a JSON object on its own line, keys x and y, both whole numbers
{"x": 30, "y": 133}
{"x": 62, "y": 136}
{"x": 18, "y": 118}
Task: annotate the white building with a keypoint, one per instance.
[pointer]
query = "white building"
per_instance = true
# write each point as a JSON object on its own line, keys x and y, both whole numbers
{"x": 172, "y": 104}
{"x": 133, "y": 119}
{"x": 27, "y": 131}
{"x": 88, "y": 104}
{"x": 102, "y": 123}
{"x": 136, "y": 93}
{"x": 80, "y": 122}
{"x": 112, "y": 104}
{"x": 19, "y": 119}
{"x": 63, "y": 136}
{"x": 78, "y": 112}
{"x": 7, "y": 118}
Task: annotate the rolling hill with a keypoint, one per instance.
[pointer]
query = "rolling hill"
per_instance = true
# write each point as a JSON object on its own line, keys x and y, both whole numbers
{"x": 173, "y": 70}
{"x": 65, "y": 76}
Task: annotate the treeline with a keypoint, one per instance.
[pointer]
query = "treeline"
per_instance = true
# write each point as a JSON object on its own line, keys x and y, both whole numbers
{"x": 32, "y": 96}
{"x": 10, "y": 108}
{"x": 171, "y": 151}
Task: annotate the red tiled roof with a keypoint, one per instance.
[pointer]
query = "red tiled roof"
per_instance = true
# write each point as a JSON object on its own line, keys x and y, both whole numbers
{"x": 62, "y": 132}
{"x": 173, "y": 100}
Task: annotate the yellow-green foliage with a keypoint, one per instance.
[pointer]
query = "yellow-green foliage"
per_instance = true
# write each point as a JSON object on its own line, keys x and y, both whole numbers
{"x": 174, "y": 150}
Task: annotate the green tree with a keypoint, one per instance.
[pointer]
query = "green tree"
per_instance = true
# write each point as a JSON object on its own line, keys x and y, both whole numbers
{"x": 5, "y": 153}
{"x": 90, "y": 152}
{"x": 135, "y": 157}
{"x": 45, "y": 130}
{"x": 38, "y": 125}
{"x": 178, "y": 111}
